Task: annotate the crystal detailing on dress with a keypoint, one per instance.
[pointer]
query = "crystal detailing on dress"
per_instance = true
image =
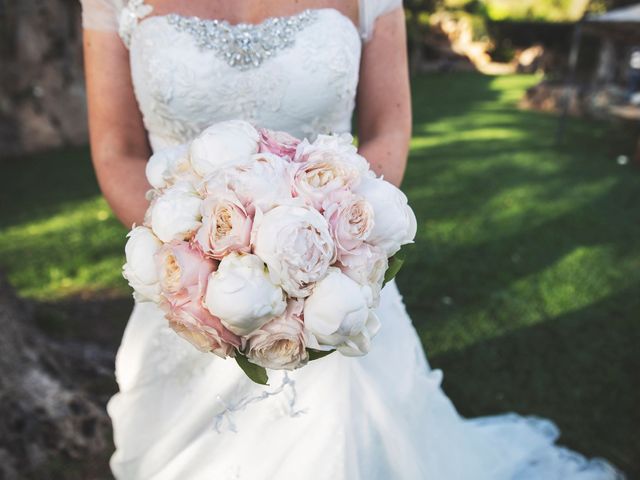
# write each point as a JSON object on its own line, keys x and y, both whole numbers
{"x": 134, "y": 11}
{"x": 244, "y": 45}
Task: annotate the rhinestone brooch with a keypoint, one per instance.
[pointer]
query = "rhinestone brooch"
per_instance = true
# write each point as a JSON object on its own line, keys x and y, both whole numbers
{"x": 243, "y": 46}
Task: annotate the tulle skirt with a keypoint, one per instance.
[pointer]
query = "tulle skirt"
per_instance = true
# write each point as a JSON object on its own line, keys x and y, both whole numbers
{"x": 182, "y": 414}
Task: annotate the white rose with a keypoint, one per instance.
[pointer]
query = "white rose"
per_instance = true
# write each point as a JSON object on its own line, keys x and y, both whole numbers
{"x": 167, "y": 165}
{"x": 337, "y": 314}
{"x": 140, "y": 269}
{"x": 295, "y": 243}
{"x": 175, "y": 214}
{"x": 394, "y": 220}
{"x": 223, "y": 145}
{"x": 242, "y": 295}
{"x": 263, "y": 183}
{"x": 280, "y": 344}
{"x": 367, "y": 266}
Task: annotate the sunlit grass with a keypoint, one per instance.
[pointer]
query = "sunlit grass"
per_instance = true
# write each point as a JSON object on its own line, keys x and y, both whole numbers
{"x": 523, "y": 282}
{"x": 58, "y": 236}
{"x": 76, "y": 250}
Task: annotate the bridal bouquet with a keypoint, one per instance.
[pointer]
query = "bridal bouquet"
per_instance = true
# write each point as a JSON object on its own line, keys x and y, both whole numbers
{"x": 267, "y": 248}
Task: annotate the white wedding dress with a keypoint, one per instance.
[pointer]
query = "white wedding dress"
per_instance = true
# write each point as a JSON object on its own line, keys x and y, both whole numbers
{"x": 182, "y": 414}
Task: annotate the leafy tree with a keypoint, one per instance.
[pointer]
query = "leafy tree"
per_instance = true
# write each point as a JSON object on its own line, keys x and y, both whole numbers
{"x": 597, "y": 6}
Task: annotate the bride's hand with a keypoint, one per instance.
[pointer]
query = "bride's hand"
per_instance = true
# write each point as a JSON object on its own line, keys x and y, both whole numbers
{"x": 119, "y": 147}
{"x": 384, "y": 98}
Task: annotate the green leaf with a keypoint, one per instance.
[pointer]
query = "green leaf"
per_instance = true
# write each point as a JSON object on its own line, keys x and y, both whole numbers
{"x": 255, "y": 372}
{"x": 395, "y": 264}
{"x": 316, "y": 354}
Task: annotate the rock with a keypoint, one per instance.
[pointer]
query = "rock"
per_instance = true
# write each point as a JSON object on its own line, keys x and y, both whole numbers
{"x": 42, "y": 102}
{"x": 48, "y": 420}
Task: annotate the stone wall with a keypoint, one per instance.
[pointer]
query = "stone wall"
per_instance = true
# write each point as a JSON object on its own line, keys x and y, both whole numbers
{"x": 42, "y": 94}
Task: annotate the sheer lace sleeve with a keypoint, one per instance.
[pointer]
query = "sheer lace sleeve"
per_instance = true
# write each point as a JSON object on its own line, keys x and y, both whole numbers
{"x": 101, "y": 14}
{"x": 372, "y": 9}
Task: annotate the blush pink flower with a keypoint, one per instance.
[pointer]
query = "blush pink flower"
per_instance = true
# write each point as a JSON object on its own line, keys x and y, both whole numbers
{"x": 280, "y": 344}
{"x": 350, "y": 219}
{"x": 366, "y": 265}
{"x": 195, "y": 324}
{"x": 183, "y": 272}
{"x": 183, "y": 269}
{"x": 226, "y": 225}
{"x": 322, "y": 172}
{"x": 278, "y": 143}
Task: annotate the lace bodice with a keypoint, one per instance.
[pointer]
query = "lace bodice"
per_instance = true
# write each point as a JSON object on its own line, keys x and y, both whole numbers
{"x": 296, "y": 73}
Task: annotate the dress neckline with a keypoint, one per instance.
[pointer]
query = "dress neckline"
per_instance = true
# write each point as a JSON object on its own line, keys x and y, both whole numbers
{"x": 140, "y": 10}
{"x": 137, "y": 12}
{"x": 262, "y": 22}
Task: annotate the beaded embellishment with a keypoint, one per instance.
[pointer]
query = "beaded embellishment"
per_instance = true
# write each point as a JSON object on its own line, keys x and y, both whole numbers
{"x": 244, "y": 45}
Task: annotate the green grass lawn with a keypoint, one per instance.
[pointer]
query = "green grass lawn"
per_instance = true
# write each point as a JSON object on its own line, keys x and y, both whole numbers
{"x": 523, "y": 282}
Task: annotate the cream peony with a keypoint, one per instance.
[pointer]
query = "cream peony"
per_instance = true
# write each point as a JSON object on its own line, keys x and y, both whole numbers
{"x": 242, "y": 295}
{"x": 226, "y": 225}
{"x": 140, "y": 269}
{"x": 350, "y": 219}
{"x": 338, "y": 315}
{"x": 329, "y": 164}
{"x": 183, "y": 270}
{"x": 335, "y": 146}
{"x": 262, "y": 184}
{"x": 394, "y": 220}
{"x": 295, "y": 243}
{"x": 175, "y": 215}
{"x": 366, "y": 265}
{"x": 168, "y": 165}
{"x": 315, "y": 180}
{"x": 195, "y": 324}
{"x": 223, "y": 144}
{"x": 280, "y": 344}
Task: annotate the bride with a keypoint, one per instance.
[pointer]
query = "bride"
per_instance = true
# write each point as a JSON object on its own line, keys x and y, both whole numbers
{"x": 159, "y": 72}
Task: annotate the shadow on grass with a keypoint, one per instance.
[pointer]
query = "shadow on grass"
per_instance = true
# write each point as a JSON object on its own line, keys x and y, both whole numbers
{"x": 523, "y": 280}
{"x": 99, "y": 317}
{"x": 580, "y": 370}
{"x": 36, "y": 186}
{"x": 526, "y": 245}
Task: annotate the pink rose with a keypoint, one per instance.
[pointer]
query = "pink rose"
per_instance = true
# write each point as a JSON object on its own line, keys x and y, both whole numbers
{"x": 280, "y": 344}
{"x": 226, "y": 225}
{"x": 278, "y": 143}
{"x": 350, "y": 219}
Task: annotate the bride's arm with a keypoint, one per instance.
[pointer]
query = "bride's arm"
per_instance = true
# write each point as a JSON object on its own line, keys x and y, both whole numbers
{"x": 119, "y": 146}
{"x": 384, "y": 99}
